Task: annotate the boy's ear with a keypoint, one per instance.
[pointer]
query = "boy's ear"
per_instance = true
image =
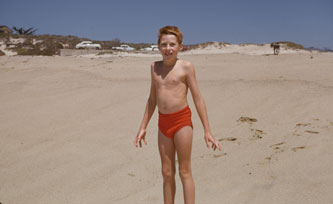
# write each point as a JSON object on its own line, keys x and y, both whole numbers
{"x": 181, "y": 46}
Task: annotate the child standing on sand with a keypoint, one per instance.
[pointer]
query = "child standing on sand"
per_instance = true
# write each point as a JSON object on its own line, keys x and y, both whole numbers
{"x": 170, "y": 80}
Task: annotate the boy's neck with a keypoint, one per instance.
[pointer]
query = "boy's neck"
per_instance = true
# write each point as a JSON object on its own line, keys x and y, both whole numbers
{"x": 170, "y": 63}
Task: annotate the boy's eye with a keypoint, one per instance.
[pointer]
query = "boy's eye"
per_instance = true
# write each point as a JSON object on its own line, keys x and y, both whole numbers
{"x": 166, "y": 44}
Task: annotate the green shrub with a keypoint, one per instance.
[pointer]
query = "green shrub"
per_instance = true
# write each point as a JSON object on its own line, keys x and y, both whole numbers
{"x": 27, "y": 43}
{"x": 26, "y": 51}
{"x": 2, "y": 53}
{"x": 292, "y": 45}
{"x": 206, "y": 44}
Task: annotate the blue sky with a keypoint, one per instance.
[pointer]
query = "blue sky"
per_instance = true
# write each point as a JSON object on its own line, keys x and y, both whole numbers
{"x": 309, "y": 23}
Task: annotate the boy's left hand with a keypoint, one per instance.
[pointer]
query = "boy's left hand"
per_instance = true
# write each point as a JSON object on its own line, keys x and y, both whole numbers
{"x": 210, "y": 139}
{"x": 139, "y": 137}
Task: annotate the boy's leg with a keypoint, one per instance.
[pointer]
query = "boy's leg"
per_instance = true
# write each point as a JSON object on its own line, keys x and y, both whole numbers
{"x": 167, "y": 152}
{"x": 183, "y": 144}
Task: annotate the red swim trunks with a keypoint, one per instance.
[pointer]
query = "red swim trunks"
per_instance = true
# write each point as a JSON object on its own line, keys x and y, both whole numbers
{"x": 170, "y": 123}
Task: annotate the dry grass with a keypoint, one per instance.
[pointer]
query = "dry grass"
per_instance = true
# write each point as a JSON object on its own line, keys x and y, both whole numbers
{"x": 206, "y": 44}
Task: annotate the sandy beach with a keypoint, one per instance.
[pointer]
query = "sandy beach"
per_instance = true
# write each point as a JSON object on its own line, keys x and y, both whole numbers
{"x": 67, "y": 127}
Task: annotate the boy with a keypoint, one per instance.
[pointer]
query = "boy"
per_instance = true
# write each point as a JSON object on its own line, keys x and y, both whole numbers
{"x": 170, "y": 80}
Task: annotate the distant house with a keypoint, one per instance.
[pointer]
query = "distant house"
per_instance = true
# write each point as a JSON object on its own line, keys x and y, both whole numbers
{"x": 5, "y": 29}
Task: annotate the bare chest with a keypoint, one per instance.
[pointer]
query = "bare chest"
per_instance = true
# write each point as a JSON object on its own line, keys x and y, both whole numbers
{"x": 169, "y": 80}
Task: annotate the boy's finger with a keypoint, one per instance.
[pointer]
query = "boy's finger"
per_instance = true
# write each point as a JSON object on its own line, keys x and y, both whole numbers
{"x": 207, "y": 143}
{"x": 219, "y": 146}
{"x": 216, "y": 144}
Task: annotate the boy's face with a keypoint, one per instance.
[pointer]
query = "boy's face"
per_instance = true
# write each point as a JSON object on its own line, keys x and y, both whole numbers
{"x": 169, "y": 46}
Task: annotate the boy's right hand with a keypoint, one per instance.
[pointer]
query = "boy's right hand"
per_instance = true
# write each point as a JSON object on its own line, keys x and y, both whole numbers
{"x": 140, "y": 136}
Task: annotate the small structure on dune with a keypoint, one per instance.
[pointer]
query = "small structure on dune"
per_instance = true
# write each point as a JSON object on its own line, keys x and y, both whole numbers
{"x": 276, "y": 48}
{"x": 5, "y": 29}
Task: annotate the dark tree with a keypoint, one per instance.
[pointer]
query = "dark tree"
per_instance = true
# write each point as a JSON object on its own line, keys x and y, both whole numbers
{"x": 22, "y": 31}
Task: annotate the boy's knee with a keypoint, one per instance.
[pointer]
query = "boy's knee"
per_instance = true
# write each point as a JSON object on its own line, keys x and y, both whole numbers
{"x": 168, "y": 173}
{"x": 185, "y": 173}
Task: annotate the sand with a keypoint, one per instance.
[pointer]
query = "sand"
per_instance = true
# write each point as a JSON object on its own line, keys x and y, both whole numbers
{"x": 67, "y": 126}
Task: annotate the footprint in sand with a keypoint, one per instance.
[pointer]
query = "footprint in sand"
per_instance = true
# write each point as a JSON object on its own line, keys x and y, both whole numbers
{"x": 312, "y": 132}
{"x": 278, "y": 148}
{"x": 257, "y": 134}
{"x": 131, "y": 174}
{"x": 303, "y": 124}
{"x": 269, "y": 158}
{"x": 247, "y": 120}
{"x": 219, "y": 155}
{"x": 297, "y": 148}
{"x": 301, "y": 128}
{"x": 228, "y": 139}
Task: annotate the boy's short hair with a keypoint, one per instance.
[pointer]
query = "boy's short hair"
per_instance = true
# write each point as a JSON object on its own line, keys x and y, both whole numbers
{"x": 173, "y": 30}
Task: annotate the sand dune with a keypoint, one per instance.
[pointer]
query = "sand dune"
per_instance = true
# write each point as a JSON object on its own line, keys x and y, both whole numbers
{"x": 67, "y": 126}
{"x": 250, "y": 49}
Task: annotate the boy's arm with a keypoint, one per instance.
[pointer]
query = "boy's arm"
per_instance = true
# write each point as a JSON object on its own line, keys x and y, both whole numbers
{"x": 150, "y": 108}
{"x": 200, "y": 105}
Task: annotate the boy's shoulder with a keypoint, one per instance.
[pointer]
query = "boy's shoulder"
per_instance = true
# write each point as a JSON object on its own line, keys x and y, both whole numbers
{"x": 187, "y": 66}
{"x": 185, "y": 63}
{"x": 156, "y": 63}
